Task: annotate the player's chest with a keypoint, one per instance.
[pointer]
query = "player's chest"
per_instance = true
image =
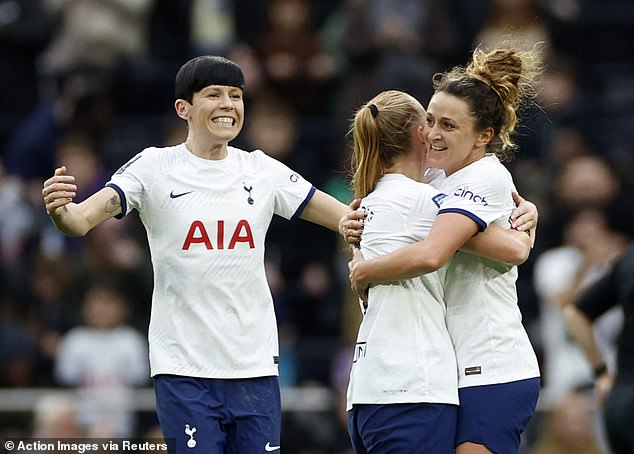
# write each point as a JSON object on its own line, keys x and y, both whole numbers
{"x": 219, "y": 213}
{"x": 198, "y": 194}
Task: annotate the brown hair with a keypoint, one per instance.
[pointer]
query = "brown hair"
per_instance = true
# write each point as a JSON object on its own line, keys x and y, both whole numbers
{"x": 381, "y": 130}
{"x": 495, "y": 85}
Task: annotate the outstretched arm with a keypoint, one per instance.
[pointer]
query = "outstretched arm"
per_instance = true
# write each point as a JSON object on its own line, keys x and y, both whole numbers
{"x": 77, "y": 219}
{"x": 325, "y": 210}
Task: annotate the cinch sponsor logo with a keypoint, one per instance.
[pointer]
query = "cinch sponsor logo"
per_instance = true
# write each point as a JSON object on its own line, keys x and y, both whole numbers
{"x": 465, "y": 193}
{"x": 198, "y": 234}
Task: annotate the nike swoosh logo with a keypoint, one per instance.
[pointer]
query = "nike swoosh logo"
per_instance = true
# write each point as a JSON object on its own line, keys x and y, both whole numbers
{"x": 175, "y": 196}
{"x": 269, "y": 448}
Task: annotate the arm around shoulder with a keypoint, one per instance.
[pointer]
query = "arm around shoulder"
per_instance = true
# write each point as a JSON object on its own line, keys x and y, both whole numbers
{"x": 502, "y": 245}
{"x": 448, "y": 234}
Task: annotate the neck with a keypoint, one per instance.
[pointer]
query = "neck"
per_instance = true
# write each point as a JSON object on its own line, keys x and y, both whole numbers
{"x": 214, "y": 151}
{"x": 475, "y": 155}
{"x": 410, "y": 166}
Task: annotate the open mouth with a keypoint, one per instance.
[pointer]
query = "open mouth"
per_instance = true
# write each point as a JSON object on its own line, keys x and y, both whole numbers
{"x": 225, "y": 122}
{"x": 437, "y": 148}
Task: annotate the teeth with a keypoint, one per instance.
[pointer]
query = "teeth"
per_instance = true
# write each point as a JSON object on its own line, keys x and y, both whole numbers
{"x": 223, "y": 120}
{"x": 436, "y": 148}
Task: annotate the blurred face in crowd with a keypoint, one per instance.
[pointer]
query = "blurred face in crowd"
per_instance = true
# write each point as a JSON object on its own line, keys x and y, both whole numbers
{"x": 104, "y": 309}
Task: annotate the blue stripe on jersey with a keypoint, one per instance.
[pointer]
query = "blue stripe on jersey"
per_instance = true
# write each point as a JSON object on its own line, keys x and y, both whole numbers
{"x": 300, "y": 209}
{"x": 481, "y": 224}
{"x": 121, "y": 196}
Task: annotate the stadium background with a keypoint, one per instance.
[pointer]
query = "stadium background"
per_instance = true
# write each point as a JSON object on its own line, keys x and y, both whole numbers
{"x": 89, "y": 84}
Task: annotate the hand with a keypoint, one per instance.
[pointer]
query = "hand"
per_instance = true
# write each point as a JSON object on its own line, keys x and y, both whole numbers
{"x": 58, "y": 191}
{"x": 525, "y": 216}
{"x": 357, "y": 284}
{"x": 351, "y": 224}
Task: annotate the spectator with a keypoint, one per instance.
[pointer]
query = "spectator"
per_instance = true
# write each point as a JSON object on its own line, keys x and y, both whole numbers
{"x": 568, "y": 428}
{"x": 294, "y": 63}
{"x": 95, "y": 33}
{"x": 614, "y": 385}
{"x": 82, "y": 105}
{"x": 560, "y": 274}
{"x": 103, "y": 359}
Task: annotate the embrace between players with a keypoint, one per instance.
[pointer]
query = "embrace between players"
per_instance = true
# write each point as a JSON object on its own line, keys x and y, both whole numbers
{"x": 446, "y": 364}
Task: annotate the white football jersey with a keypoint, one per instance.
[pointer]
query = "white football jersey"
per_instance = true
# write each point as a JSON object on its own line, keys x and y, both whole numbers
{"x": 403, "y": 352}
{"x": 483, "y": 317}
{"x": 206, "y": 222}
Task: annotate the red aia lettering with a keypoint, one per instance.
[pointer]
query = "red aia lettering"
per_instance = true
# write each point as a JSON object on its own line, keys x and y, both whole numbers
{"x": 237, "y": 237}
{"x": 198, "y": 234}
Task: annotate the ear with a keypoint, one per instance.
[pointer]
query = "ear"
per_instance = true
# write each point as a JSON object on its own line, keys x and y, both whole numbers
{"x": 420, "y": 134}
{"x": 485, "y": 137}
{"x": 182, "y": 108}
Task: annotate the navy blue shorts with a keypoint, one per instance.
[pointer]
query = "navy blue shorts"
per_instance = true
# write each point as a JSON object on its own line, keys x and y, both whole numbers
{"x": 217, "y": 416}
{"x": 496, "y": 415}
{"x": 403, "y": 428}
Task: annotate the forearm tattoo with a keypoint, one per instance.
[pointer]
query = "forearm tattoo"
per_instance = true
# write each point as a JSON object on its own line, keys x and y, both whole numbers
{"x": 113, "y": 204}
{"x": 63, "y": 212}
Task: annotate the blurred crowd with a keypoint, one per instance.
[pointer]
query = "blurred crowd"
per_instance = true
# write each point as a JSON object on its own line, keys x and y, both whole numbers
{"x": 89, "y": 84}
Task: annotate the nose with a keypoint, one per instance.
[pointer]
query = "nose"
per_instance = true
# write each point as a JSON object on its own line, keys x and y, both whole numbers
{"x": 226, "y": 102}
{"x": 433, "y": 133}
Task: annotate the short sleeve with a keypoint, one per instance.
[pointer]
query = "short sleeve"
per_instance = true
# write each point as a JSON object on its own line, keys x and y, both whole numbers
{"x": 292, "y": 191}
{"x": 482, "y": 194}
{"x": 133, "y": 180}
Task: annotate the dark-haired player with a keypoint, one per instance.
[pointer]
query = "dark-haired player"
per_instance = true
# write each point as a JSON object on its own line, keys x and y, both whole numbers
{"x": 206, "y": 207}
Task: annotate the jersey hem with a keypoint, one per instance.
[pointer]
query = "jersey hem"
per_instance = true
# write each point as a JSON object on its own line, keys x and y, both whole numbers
{"x": 217, "y": 374}
{"x": 429, "y": 400}
{"x": 498, "y": 381}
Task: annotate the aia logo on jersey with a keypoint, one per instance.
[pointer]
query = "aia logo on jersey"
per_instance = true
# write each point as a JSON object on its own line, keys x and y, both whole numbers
{"x": 465, "y": 193}
{"x": 224, "y": 238}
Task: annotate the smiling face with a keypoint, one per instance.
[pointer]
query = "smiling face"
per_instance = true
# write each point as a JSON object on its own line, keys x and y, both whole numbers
{"x": 452, "y": 142}
{"x": 216, "y": 113}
